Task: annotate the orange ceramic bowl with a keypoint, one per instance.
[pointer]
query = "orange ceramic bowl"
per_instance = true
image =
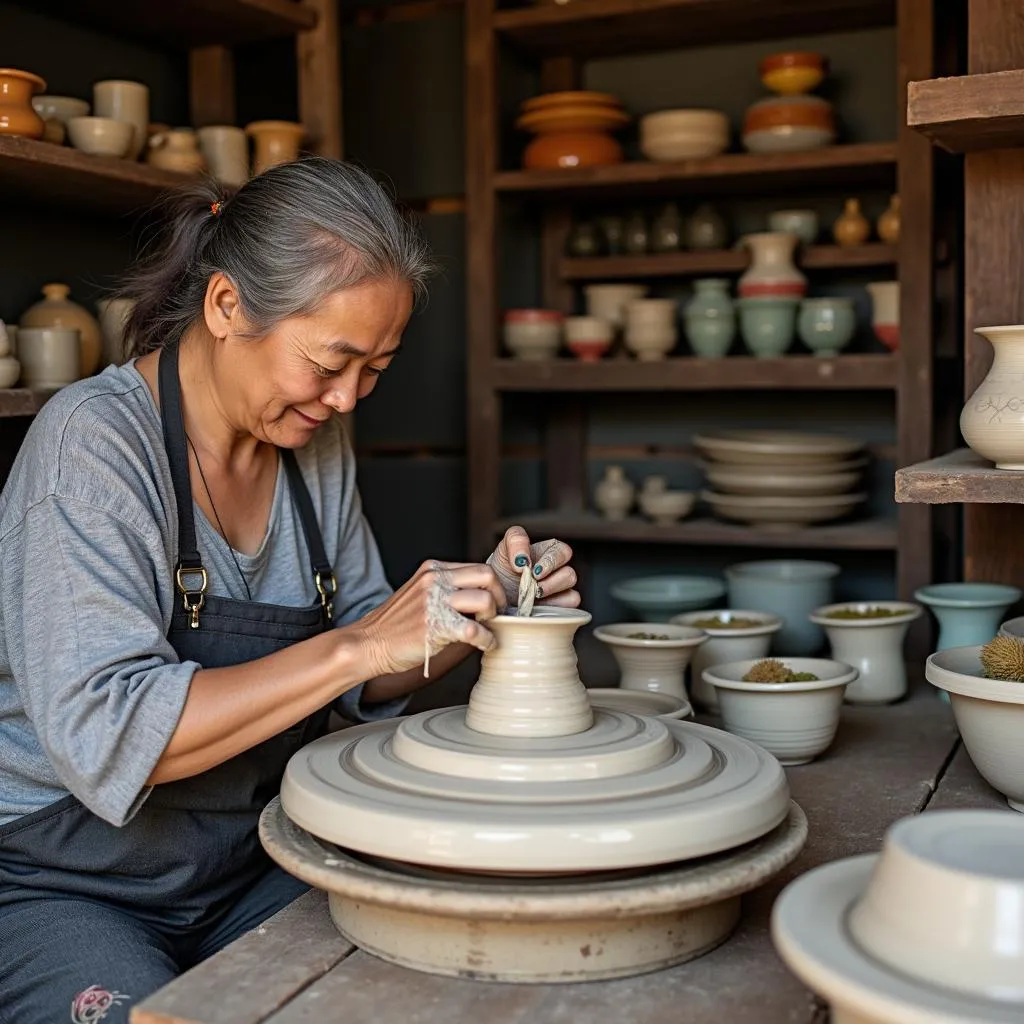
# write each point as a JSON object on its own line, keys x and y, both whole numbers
{"x": 792, "y": 73}
{"x": 572, "y": 149}
{"x": 788, "y": 112}
{"x": 572, "y": 118}
{"x": 573, "y": 97}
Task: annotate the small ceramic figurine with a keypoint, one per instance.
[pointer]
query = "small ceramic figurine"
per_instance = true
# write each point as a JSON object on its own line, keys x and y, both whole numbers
{"x": 614, "y": 494}
{"x": 667, "y": 231}
{"x": 888, "y": 225}
{"x": 851, "y": 227}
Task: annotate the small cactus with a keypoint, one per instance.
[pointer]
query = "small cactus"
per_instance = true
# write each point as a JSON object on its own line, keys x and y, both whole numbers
{"x": 1003, "y": 658}
{"x": 771, "y": 670}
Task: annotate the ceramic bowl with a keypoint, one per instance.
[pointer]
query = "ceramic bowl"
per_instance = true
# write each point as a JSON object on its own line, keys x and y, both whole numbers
{"x": 684, "y": 119}
{"x": 101, "y": 136}
{"x": 533, "y": 334}
{"x": 658, "y": 598}
{"x": 782, "y": 512}
{"x": 573, "y": 117}
{"x": 683, "y": 146}
{"x": 726, "y": 643}
{"x": 967, "y": 613}
{"x": 826, "y": 325}
{"x": 789, "y": 112}
{"x": 1013, "y": 627}
{"x": 609, "y": 301}
{"x": 589, "y": 351}
{"x": 587, "y": 328}
{"x": 651, "y": 659}
{"x": 802, "y": 223}
{"x": 59, "y": 108}
{"x": 728, "y": 479}
{"x": 787, "y": 139}
{"x": 650, "y": 343}
{"x": 666, "y": 507}
{"x": 928, "y": 932}
{"x": 660, "y": 312}
{"x": 989, "y": 714}
{"x": 793, "y": 72}
{"x": 572, "y": 149}
{"x": 767, "y": 324}
{"x": 640, "y": 702}
{"x": 794, "y": 721}
{"x": 813, "y": 470}
{"x": 776, "y": 447}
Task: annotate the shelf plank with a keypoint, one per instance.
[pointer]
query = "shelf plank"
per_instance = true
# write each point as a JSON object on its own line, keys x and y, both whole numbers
{"x": 60, "y": 174}
{"x": 690, "y": 373}
{"x": 22, "y": 401}
{"x": 724, "y": 261}
{"x": 864, "y": 164}
{"x": 959, "y": 476}
{"x": 862, "y": 535}
{"x": 184, "y": 24}
{"x": 969, "y": 112}
{"x": 590, "y": 28}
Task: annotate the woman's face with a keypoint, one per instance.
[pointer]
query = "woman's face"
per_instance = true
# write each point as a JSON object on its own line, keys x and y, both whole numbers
{"x": 307, "y": 368}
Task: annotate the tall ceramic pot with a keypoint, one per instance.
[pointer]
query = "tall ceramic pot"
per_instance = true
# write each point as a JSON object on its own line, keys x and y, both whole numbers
{"x": 992, "y": 421}
{"x": 710, "y": 318}
{"x": 57, "y": 310}
{"x": 772, "y": 272}
{"x": 17, "y": 116}
{"x": 275, "y": 142}
{"x": 128, "y": 102}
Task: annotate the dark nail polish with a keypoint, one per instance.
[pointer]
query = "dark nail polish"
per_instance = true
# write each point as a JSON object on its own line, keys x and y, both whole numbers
{"x": 538, "y": 569}
{"x": 521, "y": 560}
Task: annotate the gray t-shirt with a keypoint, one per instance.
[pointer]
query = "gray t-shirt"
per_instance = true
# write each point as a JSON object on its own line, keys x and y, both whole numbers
{"x": 90, "y": 689}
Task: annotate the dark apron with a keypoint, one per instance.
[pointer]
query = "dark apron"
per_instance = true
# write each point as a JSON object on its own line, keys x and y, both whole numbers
{"x": 192, "y": 846}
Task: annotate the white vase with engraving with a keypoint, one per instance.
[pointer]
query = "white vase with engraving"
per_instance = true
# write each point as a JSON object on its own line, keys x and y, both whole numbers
{"x": 992, "y": 421}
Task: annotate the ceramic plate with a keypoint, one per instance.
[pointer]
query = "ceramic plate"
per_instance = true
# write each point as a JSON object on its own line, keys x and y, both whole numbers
{"x": 775, "y": 446}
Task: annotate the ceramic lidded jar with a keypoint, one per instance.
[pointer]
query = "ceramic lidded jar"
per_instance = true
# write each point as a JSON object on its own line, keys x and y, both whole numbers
{"x": 17, "y": 116}
{"x": 276, "y": 142}
{"x": 57, "y": 310}
{"x": 772, "y": 271}
{"x": 614, "y": 494}
{"x": 992, "y": 421}
{"x": 176, "y": 150}
{"x": 710, "y": 318}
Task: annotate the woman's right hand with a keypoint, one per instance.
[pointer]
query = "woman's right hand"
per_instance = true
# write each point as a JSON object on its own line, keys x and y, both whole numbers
{"x": 444, "y": 603}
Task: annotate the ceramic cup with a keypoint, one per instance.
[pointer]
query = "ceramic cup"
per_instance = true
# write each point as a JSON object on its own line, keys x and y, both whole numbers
{"x": 657, "y": 665}
{"x": 967, "y": 613}
{"x": 127, "y": 102}
{"x": 826, "y": 325}
{"x": 50, "y": 356}
{"x": 768, "y": 324}
{"x": 101, "y": 136}
{"x": 226, "y": 151}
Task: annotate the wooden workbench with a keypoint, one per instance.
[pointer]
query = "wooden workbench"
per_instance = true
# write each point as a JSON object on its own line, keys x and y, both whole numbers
{"x": 886, "y": 763}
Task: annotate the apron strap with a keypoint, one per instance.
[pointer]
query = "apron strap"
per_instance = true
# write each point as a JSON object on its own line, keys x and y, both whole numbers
{"x": 323, "y": 571}
{"x": 189, "y": 575}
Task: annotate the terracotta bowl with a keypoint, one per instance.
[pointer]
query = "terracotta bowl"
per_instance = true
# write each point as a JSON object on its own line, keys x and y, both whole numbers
{"x": 572, "y": 149}
{"x": 989, "y": 714}
{"x": 793, "y": 72}
{"x": 575, "y": 97}
{"x": 789, "y": 112}
{"x": 588, "y": 351}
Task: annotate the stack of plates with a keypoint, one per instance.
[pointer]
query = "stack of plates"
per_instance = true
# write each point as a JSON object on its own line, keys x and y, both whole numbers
{"x": 779, "y": 479}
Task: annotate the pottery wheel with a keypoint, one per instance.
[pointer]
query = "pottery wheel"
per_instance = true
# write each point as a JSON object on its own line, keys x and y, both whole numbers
{"x": 529, "y": 929}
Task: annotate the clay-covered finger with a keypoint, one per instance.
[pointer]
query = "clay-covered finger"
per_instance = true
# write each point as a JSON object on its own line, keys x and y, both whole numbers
{"x": 560, "y": 580}
{"x": 479, "y": 636}
{"x": 550, "y": 555}
{"x": 478, "y": 577}
{"x": 517, "y": 547}
{"x": 566, "y": 599}
{"x": 480, "y": 603}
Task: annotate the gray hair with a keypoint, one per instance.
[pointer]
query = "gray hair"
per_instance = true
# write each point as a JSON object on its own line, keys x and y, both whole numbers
{"x": 287, "y": 239}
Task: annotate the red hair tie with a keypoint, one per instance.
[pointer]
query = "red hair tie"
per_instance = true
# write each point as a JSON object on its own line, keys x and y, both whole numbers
{"x": 215, "y": 208}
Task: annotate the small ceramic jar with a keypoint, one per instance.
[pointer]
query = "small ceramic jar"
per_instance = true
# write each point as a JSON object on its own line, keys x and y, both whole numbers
{"x": 56, "y": 309}
{"x": 49, "y": 356}
{"x": 851, "y": 227}
{"x": 666, "y": 232}
{"x": 609, "y": 301}
{"x": 826, "y": 325}
{"x": 802, "y": 223}
{"x": 533, "y": 334}
{"x": 768, "y": 324}
{"x": 226, "y": 151}
{"x": 705, "y": 230}
{"x": 17, "y": 116}
{"x": 885, "y": 312}
{"x": 275, "y": 142}
{"x": 888, "y": 224}
{"x": 127, "y": 102}
{"x": 614, "y": 494}
{"x": 710, "y": 318}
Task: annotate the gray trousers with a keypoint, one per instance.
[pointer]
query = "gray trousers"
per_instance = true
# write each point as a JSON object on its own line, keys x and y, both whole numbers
{"x": 72, "y": 961}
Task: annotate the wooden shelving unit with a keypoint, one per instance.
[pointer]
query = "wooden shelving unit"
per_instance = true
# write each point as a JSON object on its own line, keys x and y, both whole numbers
{"x": 22, "y": 401}
{"x": 961, "y": 476}
{"x": 560, "y": 37}
{"x": 690, "y": 373}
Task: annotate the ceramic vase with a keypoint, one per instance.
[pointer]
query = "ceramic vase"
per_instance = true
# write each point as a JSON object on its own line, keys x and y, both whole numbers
{"x": 967, "y": 613}
{"x": 637, "y": 237}
{"x": 885, "y": 312}
{"x": 614, "y": 494}
{"x": 710, "y": 318}
{"x": 992, "y": 421}
{"x": 57, "y": 310}
{"x": 888, "y": 224}
{"x": 768, "y": 324}
{"x": 705, "y": 229}
{"x": 613, "y": 233}
{"x": 851, "y": 227}
{"x": 725, "y": 643}
{"x": 17, "y": 116}
{"x": 127, "y": 102}
{"x": 771, "y": 273}
{"x": 275, "y": 142}
{"x": 873, "y": 646}
{"x": 649, "y": 664}
{"x": 176, "y": 150}
{"x": 791, "y": 589}
{"x": 113, "y": 316}
{"x": 226, "y": 151}
{"x": 826, "y": 325}
{"x": 666, "y": 232}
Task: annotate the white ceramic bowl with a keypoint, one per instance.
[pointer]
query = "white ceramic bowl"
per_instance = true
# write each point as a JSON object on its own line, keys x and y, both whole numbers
{"x": 650, "y": 312}
{"x": 684, "y": 119}
{"x": 666, "y": 507}
{"x": 1013, "y": 627}
{"x": 608, "y": 301}
{"x": 726, "y": 643}
{"x": 776, "y": 447}
{"x": 655, "y": 665}
{"x": 931, "y": 931}
{"x": 787, "y": 139}
{"x": 781, "y": 511}
{"x": 670, "y": 148}
{"x": 533, "y": 340}
{"x": 794, "y": 721}
{"x": 989, "y": 714}
{"x": 728, "y": 479}
{"x": 101, "y": 136}
{"x": 640, "y": 702}
{"x": 658, "y": 598}
{"x": 587, "y": 328}
{"x": 773, "y": 467}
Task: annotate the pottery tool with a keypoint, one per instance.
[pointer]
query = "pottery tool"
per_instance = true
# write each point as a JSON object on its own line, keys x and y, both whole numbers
{"x": 527, "y": 592}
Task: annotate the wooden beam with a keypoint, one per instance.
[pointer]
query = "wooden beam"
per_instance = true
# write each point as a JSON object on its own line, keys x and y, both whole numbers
{"x": 211, "y": 85}
{"x": 318, "y": 52}
{"x": 969, "y": 112}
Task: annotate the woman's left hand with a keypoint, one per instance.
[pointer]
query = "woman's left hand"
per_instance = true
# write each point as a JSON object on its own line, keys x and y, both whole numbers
{"x": 548, "y": 560}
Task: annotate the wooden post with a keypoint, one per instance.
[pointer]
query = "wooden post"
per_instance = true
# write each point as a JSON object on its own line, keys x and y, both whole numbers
{"x": 211, "y": 81}
{"x": 318, "y": 52}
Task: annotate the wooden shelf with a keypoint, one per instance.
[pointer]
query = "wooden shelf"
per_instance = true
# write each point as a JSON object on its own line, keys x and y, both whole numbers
{"x": 960, "y": 476}
{"x": 969, "y": 112}
{"x": 690, "y": 373}
{"x": 863, "y": 164}
{"x": 863, "y": 535}
{"x": 60, "y": 174}
{"x": 22, "y": 401}
{"x": 588, "y": 28}
{"x": 725, "y": 261}
{"x": 184, "y": 23}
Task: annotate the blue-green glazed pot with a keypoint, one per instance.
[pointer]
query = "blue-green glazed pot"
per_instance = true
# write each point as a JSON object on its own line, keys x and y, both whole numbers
{"x": 768, "y": 324}
{"x": 791, "y": 588}
{"x": 710, "y": 318}
{"x": 967, "y": 613}
{"x": 826, "y": 325}
{"x": 658, "y": 598}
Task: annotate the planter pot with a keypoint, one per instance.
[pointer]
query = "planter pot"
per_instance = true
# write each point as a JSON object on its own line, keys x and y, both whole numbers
{"x": 967, "y": 613}
{"x": 790, "y": 588}
{"x": 992, "y": 421}
{"x": 794, "y": 721}
{"x": 652, "y": 665}
{"x": 873, "y": 646}
{"x": 658, "y": 598}
{"x": 989, "y": 714}
{"x": 724, "y": 644}
{"x": 771, "y": 271}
